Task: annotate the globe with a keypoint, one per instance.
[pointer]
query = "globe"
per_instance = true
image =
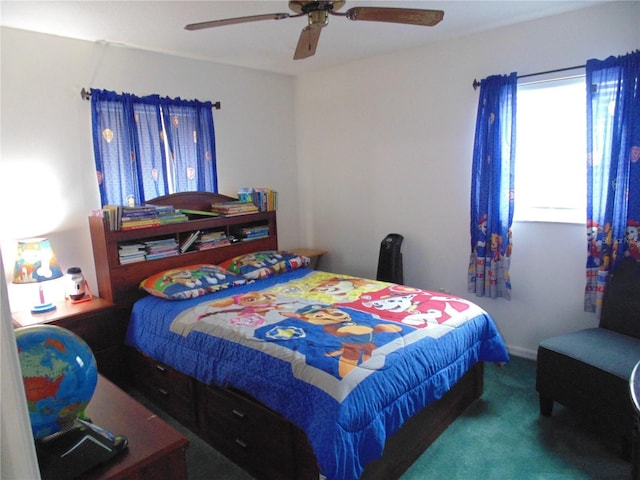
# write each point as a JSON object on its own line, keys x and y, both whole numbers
{"x": 59, "y": 374}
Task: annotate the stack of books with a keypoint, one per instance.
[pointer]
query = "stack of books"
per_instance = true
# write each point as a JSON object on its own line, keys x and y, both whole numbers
{"x": 112, "y": 215}
{"x": 161, "y": 248}
{"x": 263, "y": 198}
{"x": 139, "y": 217}
{"x": 212, "y": 240}
{"x": 131, "y": 252}
{"x": 119, "y": 217}
{"x": 169, "y": 215}
{"x": 253, "y": 233}
{"x": 235, "y": 207}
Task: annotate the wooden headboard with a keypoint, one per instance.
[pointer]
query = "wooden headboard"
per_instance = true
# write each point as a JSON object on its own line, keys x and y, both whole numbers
{"x": 120, "y": 283}
{"x": 191, "y": 200}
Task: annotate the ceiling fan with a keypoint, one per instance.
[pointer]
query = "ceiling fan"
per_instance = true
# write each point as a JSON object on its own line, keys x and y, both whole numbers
{"x": 318, "y": 15}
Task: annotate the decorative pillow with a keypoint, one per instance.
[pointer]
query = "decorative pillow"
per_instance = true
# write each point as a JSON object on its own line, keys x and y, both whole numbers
{"x": 265, "y": 264}
{"x": 189, "y": 282}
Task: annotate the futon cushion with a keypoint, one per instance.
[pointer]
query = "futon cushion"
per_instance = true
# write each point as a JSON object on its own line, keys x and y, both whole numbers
{"x": 604, "y": 349}
{"x": 621, "y": 303}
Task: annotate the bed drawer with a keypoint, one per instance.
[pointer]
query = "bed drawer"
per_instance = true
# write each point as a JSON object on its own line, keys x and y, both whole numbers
{"x": 171, "y": 390}
{"x": 247, "y": 432}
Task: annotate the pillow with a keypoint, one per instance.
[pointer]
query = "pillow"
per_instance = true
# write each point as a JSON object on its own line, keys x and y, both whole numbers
{"x": 190, "y": 282}
{"x": 265, "y": 264}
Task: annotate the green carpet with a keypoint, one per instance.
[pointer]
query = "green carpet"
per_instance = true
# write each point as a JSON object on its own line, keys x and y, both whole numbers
{"x": 501, "y": 436}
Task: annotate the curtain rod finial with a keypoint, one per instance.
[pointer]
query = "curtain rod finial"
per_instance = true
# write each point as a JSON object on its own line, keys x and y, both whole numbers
{"x": 84, "y": 94}
{"x": 476, "y": 84}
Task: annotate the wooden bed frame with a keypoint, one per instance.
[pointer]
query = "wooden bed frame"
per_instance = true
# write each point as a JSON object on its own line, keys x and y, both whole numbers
{"x": 256, "y": 438}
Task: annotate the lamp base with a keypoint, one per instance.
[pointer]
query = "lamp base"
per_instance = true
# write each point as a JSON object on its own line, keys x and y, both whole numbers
{"x": 43, "y": 308}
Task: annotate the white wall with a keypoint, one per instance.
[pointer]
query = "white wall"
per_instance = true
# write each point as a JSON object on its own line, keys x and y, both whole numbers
{"x": 393, "y": 140}
{"x": 47, "y": 173}
{"x": 391, "y": 136}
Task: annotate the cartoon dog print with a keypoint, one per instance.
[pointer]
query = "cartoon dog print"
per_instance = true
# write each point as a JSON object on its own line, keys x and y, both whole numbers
{"x": 251, "y": 308}
{"x": 631, "y": 238}
{"x": 414, "y": 307}
{"x": 339, "y": 287}
{"x": 357, "y": 339}
{"x": 594, "y": 245}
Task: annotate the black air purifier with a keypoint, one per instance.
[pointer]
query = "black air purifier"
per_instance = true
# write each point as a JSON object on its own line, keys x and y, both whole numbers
{"x": 390, "y": 260}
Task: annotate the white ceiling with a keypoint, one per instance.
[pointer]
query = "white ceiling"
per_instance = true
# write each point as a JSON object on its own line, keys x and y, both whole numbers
{"x": 266, "y": 45}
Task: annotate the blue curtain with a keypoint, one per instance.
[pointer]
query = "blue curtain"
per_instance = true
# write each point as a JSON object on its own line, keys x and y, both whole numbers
{"x": 613, "y": 169}
{"x": 129, "y": 146}
{"x": 492, "y": 188}
{"x": 192, "y": 144}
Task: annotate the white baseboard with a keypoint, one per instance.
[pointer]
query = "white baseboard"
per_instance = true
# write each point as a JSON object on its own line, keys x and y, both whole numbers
{"x": 523, "y": 352}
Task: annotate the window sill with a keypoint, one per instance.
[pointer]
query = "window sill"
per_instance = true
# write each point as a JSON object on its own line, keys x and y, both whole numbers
{"x": 551, "y": 216}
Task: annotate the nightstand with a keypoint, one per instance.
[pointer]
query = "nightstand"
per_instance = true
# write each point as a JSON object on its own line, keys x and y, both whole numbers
{"x": 98, "y": 322}
{"x": 313, "y": 254}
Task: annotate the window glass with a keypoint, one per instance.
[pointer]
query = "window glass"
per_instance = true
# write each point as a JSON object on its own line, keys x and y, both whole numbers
{"x": 550, "y": 168}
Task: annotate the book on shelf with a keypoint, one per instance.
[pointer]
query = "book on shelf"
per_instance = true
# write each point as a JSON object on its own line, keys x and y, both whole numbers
{"x": 135, "y": 224}
{"x": 153, "y": 256}
{"x": 189, "y": 241}
{"x": 194, "y": 214}
{"x": 212, "y": 239}
{"x": 112, "y": 215}
{"x": 131, "y": 252}
{"x": 264, "y": 198}
{"x": 235, "y": 207}
{"x": 162, "y": 247}
{"x": 120, "y": 217}
{"x": 252, "y": 233}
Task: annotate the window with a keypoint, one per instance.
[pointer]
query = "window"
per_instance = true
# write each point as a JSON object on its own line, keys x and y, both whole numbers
{"x": 550, "y": 167}
{"x": 146, "y": 147}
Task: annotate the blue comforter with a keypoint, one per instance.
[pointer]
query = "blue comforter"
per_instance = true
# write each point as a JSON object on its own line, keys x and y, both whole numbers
{"x": 348, "y": 360}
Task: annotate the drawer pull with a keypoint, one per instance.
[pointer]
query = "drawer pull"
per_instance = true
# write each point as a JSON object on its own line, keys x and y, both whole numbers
{"x": 241, "y": 443}
{"x": 238, "y": 413}
{"x": 161, "y": 368}
{"x": 163, "y": 392}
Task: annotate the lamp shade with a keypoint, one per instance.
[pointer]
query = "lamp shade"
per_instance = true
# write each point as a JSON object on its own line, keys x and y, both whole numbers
{"x": 35, "y": 262}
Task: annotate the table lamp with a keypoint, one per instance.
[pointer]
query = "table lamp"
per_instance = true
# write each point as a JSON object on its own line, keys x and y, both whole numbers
{"x": 36, "y": 263}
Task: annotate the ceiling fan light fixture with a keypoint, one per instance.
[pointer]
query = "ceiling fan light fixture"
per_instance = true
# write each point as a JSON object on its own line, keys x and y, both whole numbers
{"x": 318, "y": 11}
{"x": 306, "y": 6}
{"x": 318, "y": 18}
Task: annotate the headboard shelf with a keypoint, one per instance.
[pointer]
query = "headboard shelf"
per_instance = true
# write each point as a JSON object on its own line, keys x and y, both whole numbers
{"x": 118, "y": 283}
{"x": 190, "y": 226}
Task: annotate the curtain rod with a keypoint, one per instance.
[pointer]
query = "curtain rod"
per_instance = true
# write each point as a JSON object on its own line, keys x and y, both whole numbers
{"x": 476, "y": 83}
{"x": 86, "y": 95}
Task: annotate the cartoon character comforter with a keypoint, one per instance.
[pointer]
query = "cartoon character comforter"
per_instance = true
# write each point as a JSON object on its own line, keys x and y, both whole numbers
{"x": 348, "y": 360}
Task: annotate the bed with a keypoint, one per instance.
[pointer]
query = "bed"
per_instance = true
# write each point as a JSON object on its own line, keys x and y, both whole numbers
{"x": 343, "y": 377}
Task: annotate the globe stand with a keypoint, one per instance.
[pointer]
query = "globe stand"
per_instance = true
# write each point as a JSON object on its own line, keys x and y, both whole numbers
{"x": 76, "y": 450}
{"x": 60, "y": 374}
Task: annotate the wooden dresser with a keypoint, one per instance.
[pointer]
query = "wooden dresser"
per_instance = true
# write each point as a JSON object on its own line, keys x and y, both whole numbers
{"x": 156, "y": 450}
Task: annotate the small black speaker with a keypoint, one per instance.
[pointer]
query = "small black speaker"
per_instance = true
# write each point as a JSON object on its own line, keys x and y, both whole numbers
{"x": 390, "y": 260}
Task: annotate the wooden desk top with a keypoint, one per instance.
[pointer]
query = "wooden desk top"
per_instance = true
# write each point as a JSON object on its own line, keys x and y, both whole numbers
{"x": 150, "y": 437}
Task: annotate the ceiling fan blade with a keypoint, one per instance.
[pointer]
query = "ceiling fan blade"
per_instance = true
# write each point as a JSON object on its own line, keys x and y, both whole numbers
{"x": 412, "y": 16}
{"x": 233, "y": 21}
{"x": 308, "y": 42}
